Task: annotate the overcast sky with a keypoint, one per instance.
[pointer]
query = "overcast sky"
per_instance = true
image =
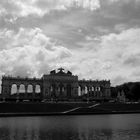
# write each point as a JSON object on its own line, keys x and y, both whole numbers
{"x": 95, "y": 39}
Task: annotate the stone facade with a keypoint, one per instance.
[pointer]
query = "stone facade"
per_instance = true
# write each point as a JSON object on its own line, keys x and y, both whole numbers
{"x": 56, "y": 85}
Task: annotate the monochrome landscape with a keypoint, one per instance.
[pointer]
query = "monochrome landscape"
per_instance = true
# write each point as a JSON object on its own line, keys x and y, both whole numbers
{"x": 69, "y": 69}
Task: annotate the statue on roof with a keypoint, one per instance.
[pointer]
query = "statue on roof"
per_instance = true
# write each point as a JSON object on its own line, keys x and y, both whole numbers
{"x": 61, "y": 71}
{"x": 69, "y": 73}
{"x": 52, "y": 72}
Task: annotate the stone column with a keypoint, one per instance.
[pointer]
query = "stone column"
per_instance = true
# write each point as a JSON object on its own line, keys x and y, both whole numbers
{"x": 26, "y": 92}
{"x": 94, "y": 91}
{"x": 18, "y": 86}
{"x": 9, "y": 88}
{"x": 101, "y": 95}
{"x": 56, "y": 90}
{"x": 75, "y": 90}
{"x": 83, "y": 90}
{"x": 4, "y": 92}
{"x": 33, "y": 94}
{"x": 72, "y": 91}
{"x": 107, "y": 92}
{"x": 90, "y": 91}
{"x": 47, "y": 91}
{"x": 97, "y": 93}
{"x": 65, "y": 90}
{"x": 41, "y": 92}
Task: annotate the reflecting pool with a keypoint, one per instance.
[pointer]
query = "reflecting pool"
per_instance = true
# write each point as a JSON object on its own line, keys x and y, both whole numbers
{"x": 86, "y": 127}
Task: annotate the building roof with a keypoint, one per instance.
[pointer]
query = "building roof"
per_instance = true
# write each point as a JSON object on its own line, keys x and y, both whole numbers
{"x": 60, "y": 72}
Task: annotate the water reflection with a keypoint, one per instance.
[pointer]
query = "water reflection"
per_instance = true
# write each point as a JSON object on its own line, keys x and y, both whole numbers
{"x": 104, "y": 127}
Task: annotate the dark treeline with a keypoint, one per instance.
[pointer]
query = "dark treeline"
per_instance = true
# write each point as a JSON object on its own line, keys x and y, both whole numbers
{"x": 131, "y": 90}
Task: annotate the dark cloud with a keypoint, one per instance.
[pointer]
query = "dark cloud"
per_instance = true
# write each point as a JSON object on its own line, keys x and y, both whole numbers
{"x": 64, "y": 24}
{"x": 133, "y": 61}
{"x": 119, "y": 80}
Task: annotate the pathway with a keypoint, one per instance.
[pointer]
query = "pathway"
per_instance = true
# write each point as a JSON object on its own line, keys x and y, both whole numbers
{"x": 79, "y": 108}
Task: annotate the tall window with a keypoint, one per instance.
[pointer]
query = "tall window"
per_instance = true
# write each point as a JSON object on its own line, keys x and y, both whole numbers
{"x": 30, "y": 89}
{"x": 22, "y": 89}
{"x": 37, "y": 89}
{"x": 79, "y": 91}
{"x": 14, "y": 89}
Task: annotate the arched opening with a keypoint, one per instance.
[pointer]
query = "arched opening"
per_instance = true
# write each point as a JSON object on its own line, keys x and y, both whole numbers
{"x": 86, "y": 89}
{"x": 96, "y": 88}
{"x": 13, "y": 89}
{"x": 79, "y": 91}
{"x": 61, "y": 89}
{"x": 82, "y": 90}
{"x": 99, "y": 89}
{"x": 57, "y": 91}
{"x": 53, "y": 89}
{"x": 37, "y": 89}
{"x": 30, "y": 89}
{"x": 90, "y": 90}
{"x": 22, "y": 88}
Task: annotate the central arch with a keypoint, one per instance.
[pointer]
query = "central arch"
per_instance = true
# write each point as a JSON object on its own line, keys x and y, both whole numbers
{"x": 61, "y": 90}
{"x": 53, "y": 89}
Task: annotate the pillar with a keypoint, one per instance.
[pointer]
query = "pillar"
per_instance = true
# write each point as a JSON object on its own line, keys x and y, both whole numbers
{"x": 33, "y": 94}
{"x": 69, "y": 91}
{"x": 75, "y": 91}
{"x": 97, "y": 92}
{"x": 65, "y": 91}
{"x": 90, "y": 91}
{"x": 26, "y": 93}
{"x": 94, "y": 91}
{"x": 47, "y": 91}
{"x": 83, "y": 90}
{"x": 57, "y": 90}
{"x": 18, "y": 86}
{"x": 4, "y": 92}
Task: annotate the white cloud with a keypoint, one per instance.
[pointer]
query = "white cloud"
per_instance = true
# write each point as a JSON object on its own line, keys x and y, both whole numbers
{"x": 28, "y": 53}
{"x": 116, "y": 57}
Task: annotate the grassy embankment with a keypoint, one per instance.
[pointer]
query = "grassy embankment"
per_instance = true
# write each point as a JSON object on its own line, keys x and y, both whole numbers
{"x": 66, "y": 108}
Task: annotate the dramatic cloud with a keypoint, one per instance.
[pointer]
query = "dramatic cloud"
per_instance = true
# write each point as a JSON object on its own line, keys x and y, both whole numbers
{"x": 95, "y": 39}
{"x": 27, "y": 51}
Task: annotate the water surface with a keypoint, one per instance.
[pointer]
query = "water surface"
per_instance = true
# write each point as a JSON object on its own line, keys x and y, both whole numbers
{"x": 90, "y": 127}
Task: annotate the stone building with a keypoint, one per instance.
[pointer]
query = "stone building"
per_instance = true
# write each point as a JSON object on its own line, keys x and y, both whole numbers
{"x": 58, "y": 85}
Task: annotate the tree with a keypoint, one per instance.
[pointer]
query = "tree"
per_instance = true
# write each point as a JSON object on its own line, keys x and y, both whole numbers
{"x": 135, "y": 91}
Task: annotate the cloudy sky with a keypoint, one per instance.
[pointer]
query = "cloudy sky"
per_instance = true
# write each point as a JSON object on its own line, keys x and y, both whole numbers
{"x": 95, "y": 39}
